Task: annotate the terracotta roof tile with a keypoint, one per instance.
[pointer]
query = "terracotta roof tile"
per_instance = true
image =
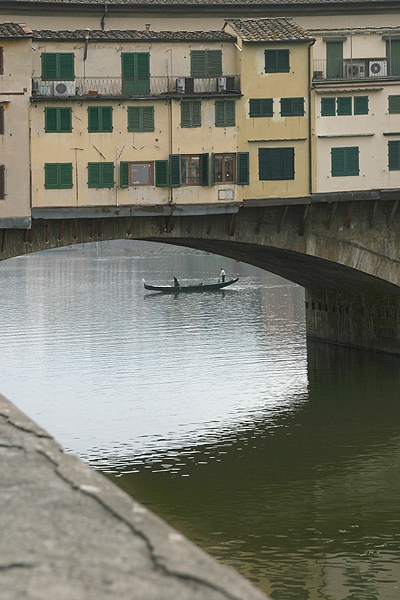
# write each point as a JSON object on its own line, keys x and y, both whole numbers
{"x": 269, "y": 30}
{"x": 134, "y": 35}
{"x": 14, "y": 30}
{"x": 198, "y": 3}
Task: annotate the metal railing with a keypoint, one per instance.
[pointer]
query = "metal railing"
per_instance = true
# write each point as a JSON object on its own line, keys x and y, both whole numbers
{"x": 355, "y": 68}
{"x": 127, "y": 87}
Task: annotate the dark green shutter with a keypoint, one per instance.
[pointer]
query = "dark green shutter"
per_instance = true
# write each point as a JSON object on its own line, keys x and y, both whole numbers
{"x": 175, "y": 170}
{"x": 66, "y": 66}
{"x": 135, "y": 73}
{"x": 106, "y": 118}
{"x": 107, "y": 175}
{"x": 352, "y": 166}
{"x": 219, "y": 113}
{"x": 344, "y": 106}
{"x": 243, "y": 159}
{"x": 255, "y": 107}
{"x": 49, "y": 66}
{"x": 196, "y": 113}
{"x": 345, "y": 161}
{"x": 93, "y": 118}
{"x": 198, "y": 63}
{"x": 394, "y": 156}
{"x": 161, "y": 172}
{"x": 337, "y": 162}
{"x": 205, "y": 169}
{"x": 58, "y": 65}
{"x": 261, "y": 107}
{"x": 230, "y": 120}
{"x": 264, "y": 164}
{"x": 393, "y": 57}
{"x": 287, "y": 157}
{"x": 65, "y": 180}
{"x": 147, "y": 118}
{"x": 277, "y": 61}
{"x": 283, "y": 61}
{"x": 94, "y": 175}
{"x": 50, "y": 176}
{"x": 394, "y": 105}
{"x": 270, "y": 61}
{"x": 124, "y": 174}
{"x": 328, "y": 107}
{"x": 286, "y": 107}
{"x": 334, "y": 60}
{"x": 65, "y": 120}
{"x": 50, "y": 115}
{"x": 133, "y": 118}
{"x": 361, "y": 105}
{"x": 298, "y": 107}
{"x": 185, "y": 114}
{"x": 214, "y": 63}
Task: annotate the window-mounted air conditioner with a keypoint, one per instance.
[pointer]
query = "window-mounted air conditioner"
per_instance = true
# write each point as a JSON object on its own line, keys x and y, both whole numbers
{"x": 225, "y": 84}
{"x": 355, "y": 69}
{"x": 64, "y": 88}
{"x": 378, "y": 68}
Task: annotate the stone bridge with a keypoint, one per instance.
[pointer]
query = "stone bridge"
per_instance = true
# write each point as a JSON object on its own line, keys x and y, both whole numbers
{"x": 345, "y": 253}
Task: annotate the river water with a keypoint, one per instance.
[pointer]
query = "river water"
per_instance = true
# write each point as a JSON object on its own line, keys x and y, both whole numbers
{"x": 281, "y": 459}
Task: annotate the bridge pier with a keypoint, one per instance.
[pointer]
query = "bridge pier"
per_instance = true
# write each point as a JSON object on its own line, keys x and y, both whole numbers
{"x": 356, "y": 319}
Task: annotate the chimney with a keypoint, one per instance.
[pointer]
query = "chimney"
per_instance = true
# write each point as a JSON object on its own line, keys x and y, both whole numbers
{"x": 147, "y": 26}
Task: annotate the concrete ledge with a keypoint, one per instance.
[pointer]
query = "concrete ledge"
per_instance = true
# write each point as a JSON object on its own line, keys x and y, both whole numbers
{"x": 69, "y": 533}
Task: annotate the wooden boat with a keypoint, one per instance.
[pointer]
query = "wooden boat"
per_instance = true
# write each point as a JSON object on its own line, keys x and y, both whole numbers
{"x": 176, "y": 289}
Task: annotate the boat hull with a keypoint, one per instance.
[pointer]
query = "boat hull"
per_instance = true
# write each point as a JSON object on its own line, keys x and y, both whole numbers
{"x": 177, "y": 289}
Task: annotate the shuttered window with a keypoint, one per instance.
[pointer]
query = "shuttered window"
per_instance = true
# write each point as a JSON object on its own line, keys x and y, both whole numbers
{"x": 1, "y": 120}
{"x": 328, "y": 107}
{"x": 2, "y": 182}
{"x": 101, "y": 175}
{"x": 191, "y": 113}
{"x": 225, "y": 113}
{"x": 58, "y": 176}
{"x": 135, "y": 73}
{"x": 243, "y": 177}
{"x": 141, "y": 118}
{"x": 345, "y": 161}
{"x": 277, "y": 61}
{"x": 360, "y": 105}
{"x": 344, "y": 106}
{"x": 394, "y": 156}
{"x": 175, "y": 170}
{"x": 206, "y": 63}
{"x": 58, "y": 120}
{"x": 292, "y": 107}
{"x": 261, "y": 107}
{"x": 394, "y": 105}
{"x": 58, "y": 65}
{"x": 276, "y": 163}
{"x": 100, "y": 119}
{"x": 161, "y": 170}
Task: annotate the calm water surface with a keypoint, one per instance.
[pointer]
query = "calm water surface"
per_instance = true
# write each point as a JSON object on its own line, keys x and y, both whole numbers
{"x": 280, "y": 460}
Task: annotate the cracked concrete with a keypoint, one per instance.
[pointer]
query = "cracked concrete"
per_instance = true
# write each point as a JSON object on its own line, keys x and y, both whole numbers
{"x": 68, "y": 533}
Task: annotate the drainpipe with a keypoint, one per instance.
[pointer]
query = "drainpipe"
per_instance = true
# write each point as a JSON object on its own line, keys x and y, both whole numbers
{"x": 310, "y": 116}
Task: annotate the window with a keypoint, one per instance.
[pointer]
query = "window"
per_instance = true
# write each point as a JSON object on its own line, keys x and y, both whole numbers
{"x": 292, "y": 107}
{"x": 328, "y": 107}
{"x": 58, "y": 65}
{"x": 135, "y": 73}
{"x": 243, "y": 169}
{"x": 58, "y": 120}
{"x": 190, "y": 170}
{"x": 345, "y": 161}
{"x": 360, "y": 105}
{"x": 191, "y": 114}
{"x": 141, "y": 118}
{"x": 394, "y": 105}
{"x": 101, "y": 175}
{"x": 1, "y": 120}
{"x": 276, "y": 163}
{"x": 206, "y": 63}
{"x": 277, "y": 61}
{"x": 2, "y": 182}
{"x": 58, "y": 176}
{"x": 141, "y": 173}
{"x": 224, "y": 168}
{"x": 99, "y": 119}
{"x": 344, "y": 106}
{"x": 261, "y": 107}
{"x": 394, "y": 156}
{"x": 334, "y": 60}
{"x": 225, "y": 115}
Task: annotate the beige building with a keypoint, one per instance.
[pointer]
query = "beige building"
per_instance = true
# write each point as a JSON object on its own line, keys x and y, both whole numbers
{"x": 15, "y": 84}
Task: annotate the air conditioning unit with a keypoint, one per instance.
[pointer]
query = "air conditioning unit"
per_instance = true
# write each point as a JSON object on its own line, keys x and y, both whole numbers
{"x": 378, "y": 68}
{"x": 226, "y": 84}
{"x": 64, "y": 88}
{"x": 355, "y": 69}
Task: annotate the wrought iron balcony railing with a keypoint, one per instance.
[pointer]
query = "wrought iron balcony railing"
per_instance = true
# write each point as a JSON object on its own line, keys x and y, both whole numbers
{"x": 127, "y": 87}
{"x": 355, "y": 68}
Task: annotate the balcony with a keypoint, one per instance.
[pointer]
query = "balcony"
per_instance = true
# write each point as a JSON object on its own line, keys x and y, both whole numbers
{"x": 131, "y": 87}
{"x": 355, "y": 68}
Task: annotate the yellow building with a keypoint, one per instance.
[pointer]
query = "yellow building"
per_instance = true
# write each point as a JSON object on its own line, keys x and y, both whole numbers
{"x": 15, "y": 84}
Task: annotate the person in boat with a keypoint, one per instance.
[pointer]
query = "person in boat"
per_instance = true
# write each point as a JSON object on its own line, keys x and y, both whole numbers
{"x": 222, "y": 275}
{"x": 176, "y": 282}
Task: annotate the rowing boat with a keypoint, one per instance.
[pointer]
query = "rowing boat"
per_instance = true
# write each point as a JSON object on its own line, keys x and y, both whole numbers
{"x": 176, "y": 289}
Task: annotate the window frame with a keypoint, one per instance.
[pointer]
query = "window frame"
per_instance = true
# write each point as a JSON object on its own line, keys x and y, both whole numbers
{"x": 261, "y": 107}
{"x": 223, "y": 156}
{"x": 277, "y": 60}
{"x": 132, "y": 183}
{"x": 189, "y": 182}
{"x": 101, "y": 127}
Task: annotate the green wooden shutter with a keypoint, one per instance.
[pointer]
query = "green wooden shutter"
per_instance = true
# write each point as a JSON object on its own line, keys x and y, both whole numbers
{"x": 287, "y": 158}
{"x": 393, "y": 57}
{"x": 107, "y": 175}
{"x": 219, "y": 113}
{"x": 50, "y": 118}
{"x": 2, "y": 177}
{"x": 225, "y": 113}
{"x": 65, "y": 120}
{"x": 93, "y": 119}
{"x": 161, "y": 172}
{"x": 283, "y": 61}
{"x": 271, "y": 61}
{"x": 255, "y": 107}
{"x": 243, "y": 159}
{"x": 361, "y": 105}
{"x": 65, "y": 180}
{"x": 185, "y": 114}
{"x": 135, "y": 73}
{"x": 198, "y": 63}
{"x": 175, "y": 170}
{"x": 267, "y": 109}
{"x": 298, "y": 107}
{"x": 394, "y": 156}
{"x": 124, "y": 175}
{"x": 148, "y": 118}
{"x": 212, "y": 168}
{"x": 133, "y": 118}
{"x": 352, "y": 162}
{"x": 49, "y": 66}
{"x": 286, "y": 107}
{"x": 106, "y": 119}
{"x": 50, "y": 176}
{"x": 344, "y": 106}
{"x": 337, "y": 162}
{"x": 205, "y": 169}
{"x": 334, "y": 60}
{"x": 264, "y": 164}
{"x": 143, "y": 73}
{"x": 328, "y": 107}
{"x": 196, "y": 113}
{"x": 214, "y": 63}
{"x": 394, "y": 105}
{"x": 66, "y": 68}
{"x": 94, "y": 175}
